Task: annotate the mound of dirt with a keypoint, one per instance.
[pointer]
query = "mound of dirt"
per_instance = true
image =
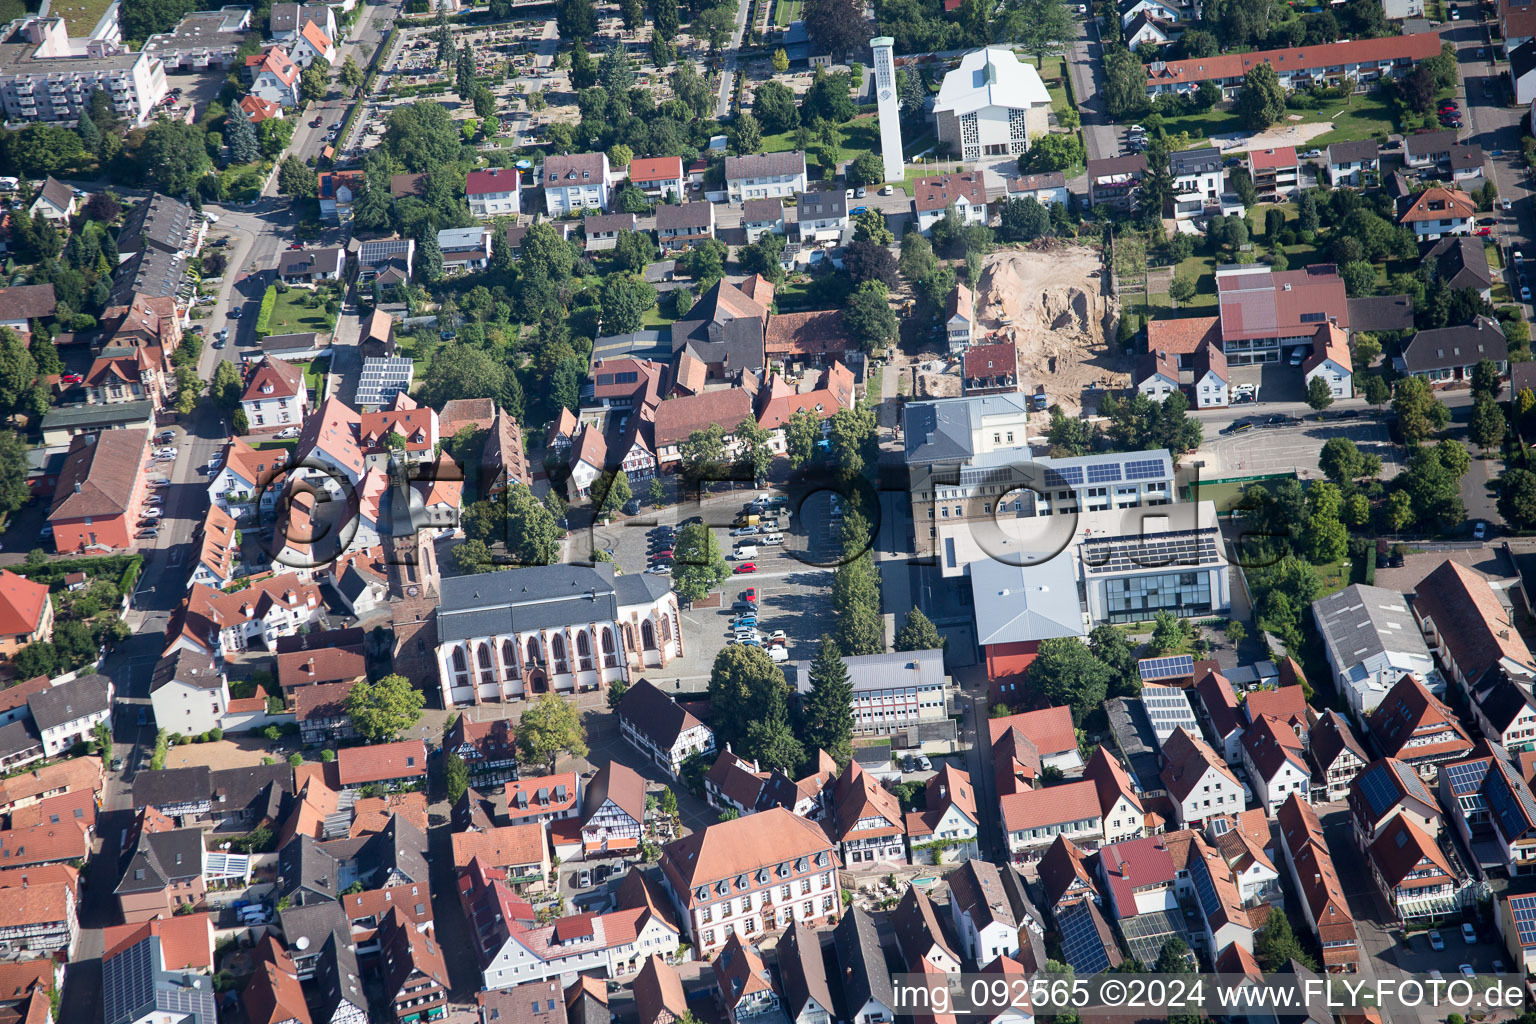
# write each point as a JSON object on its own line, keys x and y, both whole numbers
{"x": 1051, "y": 305}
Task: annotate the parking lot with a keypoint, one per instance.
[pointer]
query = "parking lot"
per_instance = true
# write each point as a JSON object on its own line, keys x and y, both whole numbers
{"x": 1293, "y": 448}
{"x": 792, "y": 595}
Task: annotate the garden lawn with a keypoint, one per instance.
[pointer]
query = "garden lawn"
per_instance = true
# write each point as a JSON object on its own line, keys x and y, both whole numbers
{"x": 860, "y": 135}
{"x": 291, "y": 316}
{"x": 1360, "y": 117}
{"x": 786, "y": 12}
{"x": 80, "y": 16}
{"x": 1057, "y": 87}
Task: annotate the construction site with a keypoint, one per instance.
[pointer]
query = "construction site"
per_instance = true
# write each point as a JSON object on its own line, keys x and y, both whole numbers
{"x": 1049, "y": 302}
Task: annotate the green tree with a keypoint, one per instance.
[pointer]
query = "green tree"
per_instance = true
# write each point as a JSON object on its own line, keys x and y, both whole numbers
{"x": 918, "y": 633}
{"x": 314, "y": 82}
{"x": 189, "y": 388}
{"x": 611, "y": 490}
{"x": 1173, "y": 958}
{"x": 455, "y": 777}
{"x": 1261, "y": 102}
{"x": 1125, "y": 81}
{"x": 624, "y": 300}
{"x": 1419, "y": 413}
{"x": 227, "y": 386}
{"x": 1486, "y": 425}
{"x": 295, "y": 180}
{"x": 1485, "y": 380}
{"x": 1342, "y": 460}
{"x": 616, "y": 691}
{"x": 774, "y": 105}
{"x": 174, "y": 156}
{"x": 1276, "y": 945}
{"x": 1319, "y": 394}
{"x": 755, "y": 453}
{"x": 866, "y": 169}
{"x": 551, "y": 726}
{"x": 1433, "y": 490}
{"x": 1168, "y": 633}
{"x": 870, "y": 226}
{"x": 533, "y": 536}
{"x": 1114, "y": 651}
{"x": 1039, "y": 27}
{"x": 746, "y": 134}
{"x": 745, "y": 687}
{"x": 351, "y": 74}
{"x": 851, "y": 433}
{"x": 429, "y": 256}
{"x": 1374, "y": 390}
{"x": 1453, "y": 457}
{"x": 239, "y": 136}
{"x": 381, "y": 711}
{"x": 801, "y": 432}
{"x": 1517, "y": 498}
{"x": 1066, "y": 673}
{"x": 698, "y": 564}
{"x": 869, "y": 318}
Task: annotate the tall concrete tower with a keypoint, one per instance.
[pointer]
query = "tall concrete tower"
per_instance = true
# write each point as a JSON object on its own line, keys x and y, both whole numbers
{"x": 889, "y": 106}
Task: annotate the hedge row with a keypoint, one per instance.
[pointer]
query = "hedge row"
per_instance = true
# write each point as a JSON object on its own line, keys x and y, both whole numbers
{"x": 264, "y": 318}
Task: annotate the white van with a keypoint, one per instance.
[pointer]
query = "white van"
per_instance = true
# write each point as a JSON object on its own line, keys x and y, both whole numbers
{"x": 746, "y": 552}
{"x": 772, "y": 538}
{"x": 9, "y": 184}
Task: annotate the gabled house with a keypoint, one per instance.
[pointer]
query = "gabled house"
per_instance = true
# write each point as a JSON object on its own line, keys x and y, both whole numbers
{"x": 684, "y": 225}
{"x": 1120, "y": 806}
{"x": 310, "y": 43}
{"x": 1371, "y": 640}
{"x": 274, "y": 77}
{"x": 1461, "y": 262}
{"x": 821, "y": 215}
{"x": 933, "y": 196}
{"x": 1412, "y": 873}
{"x": 1049, "y": 187}
{"x": 1437, "y": 212}
{"x": 1354, "y": 164}
{"x": 659, "y": 177}
{"x": 866, "y": 984}
{"x": 867, "y": 822}
{"x": 764, "y": 176}
{"x": 762, "y": 216}
{"x": 1033, "y": 818}
{"x": 1316, "y": 882}
{"x": 948, "y": 827}
{"x": 26, "y": 613}
{"x": 574, "y": 182}
{"x": 1199, "y": 782}
{"x": 1213, "y": 381}
{"x": 1330, "y": 361}
{"x": 1412, "y": 725}
{"x": 521, "y": 852}
{"x": 494, "y": 192}
{"x": 1336, "y": 756}
{"x": 920, "y": 935}
{"x": 659, "y": 727}
{"x": 1446, "y": 355}
{"x": 383, "y": 764}
{"x": 612, "y": 812}
{"x": 1065, "y": 878}
{"x": 306, "y": 266}
{"x": 1384, "y": 790}
{"x": 1505, "y": 713}
{"x": 1247, "y": 853}
{"x": 1157, "y": 376}
{"x": 982, "y": 912}
{"x": 1272, "y": 756}
{"x": 1216, "y": 707}
{"x": 1276, "y": 173}
{"x": 188, "y": 693}
{"x": 55, "y": 202}
{"x": 1492, "y": 807}
{"x": 164, "y": 873}
{"x": 803, "y": 970}
{"x": 743, "y": 985}
{"x": 275, "y": 396}
{"x": 413, "y": 973}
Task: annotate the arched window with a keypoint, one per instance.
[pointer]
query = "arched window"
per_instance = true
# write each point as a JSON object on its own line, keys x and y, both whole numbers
{"x": 557, "y": 652}
{"x": 629, "y": 637}
{"x": 460, "y": 668}
{"x": 666, "y": 629}
{"x": 584, "y": 650}
{"x": 647, "y": 635}
{"x": 509, "y": 659}
{"x": 533, "y": 651}
{"x": 487, "y": 666}
{"x": 610, "y": 658}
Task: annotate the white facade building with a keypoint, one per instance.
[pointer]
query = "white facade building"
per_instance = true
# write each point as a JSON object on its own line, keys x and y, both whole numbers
{"x": 42, "y": 78}
{"x": 991, "y": 105}
{"x": 578, "y": 181}
{"x": 764, "y": 176}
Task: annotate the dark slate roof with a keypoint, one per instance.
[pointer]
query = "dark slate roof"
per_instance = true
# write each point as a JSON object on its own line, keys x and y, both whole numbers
{"x": 337, "y": 977}
{"x": 1504, "y": 703}
{"x": 803, "y": 968}
{"x": 194, "y": 668}
{"x": 655, "y": 714}
{"x": 1353, "y": 152}
{"x": 862, "y": 962}
{"x": 1522, "y": 60}
{"x": 172, "y": 786}
{"x": 1205, "y": 160}
{"x": 1380, "y": 313}
{"x": 159, "y": 222}
{"x": 17, "y": 738}
{"x": 400, "y": 847}
{"x": 1455, "y": 346}
{"x": 516, "y": 600}
{"x": 311, "y": 926}
{"x": 1461, "y": 262}
{"x": 306, "y": 873}
{"x": 236, "y": 789}
{"x": 68, "y": 702}
{"x": 162, "y": 857}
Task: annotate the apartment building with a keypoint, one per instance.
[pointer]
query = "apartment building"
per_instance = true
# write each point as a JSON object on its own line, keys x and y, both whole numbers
{"x": 891, "y": 692}
{"x": 43, "y": 79}
{"x": 576, "y": 182}
{"x": 764, "y": 176}
{"x": 1276, "y": 173}
{"x": 493, "y": 193}
{"x": 1358, "y": 63}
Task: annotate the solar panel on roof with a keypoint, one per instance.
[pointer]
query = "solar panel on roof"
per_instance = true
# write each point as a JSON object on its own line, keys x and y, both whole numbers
{"x": 1173, "y": 667}
{"x": 1466, "y": 778}
{"x": 1080, "y": 941}
{"x": 1205, "y": 888}
{"x": 1523, "y": 910}
{"x": 1103, "y": 472}
{"x": 1144, "y": 469}
{"x": 1377, "y": 790}
{"x": 1513, "y": 808}
{"x": 1067, "y": 474}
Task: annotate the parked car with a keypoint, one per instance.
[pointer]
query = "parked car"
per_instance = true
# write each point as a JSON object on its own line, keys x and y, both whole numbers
{"x": 286, "y": 433}
{"x": 1480, "y": 530}
{"x": 234, "y": 314}
{"x": 72, "y": 378}
{"x": 746, "y": 567}
{"x": 146, "y": 533}
{"x": 1436, "y": 943}
{"x": 632, "y": 507}
{"x": 152, "y": 513}
{"x": 1468, "y": 933}
{"x": 750, "y": 594}
{"x": 165, "y": 436}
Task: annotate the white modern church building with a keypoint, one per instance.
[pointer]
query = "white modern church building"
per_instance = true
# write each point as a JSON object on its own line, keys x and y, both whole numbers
{"x": 991, "y": 105}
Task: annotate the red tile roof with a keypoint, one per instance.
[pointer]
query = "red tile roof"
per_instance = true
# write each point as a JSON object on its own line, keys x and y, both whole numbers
{"x": 405, "y": 759}
{"x": 1049, "y": 728}
{"x": 285, "y": 379}
{"x": 1415, "y": 47}
{"x": 495, "y": 180}
{"x": 22, "y": 604}
{"x": 1284, "y": 703}
{"x": 939, "y": 190}
{"x": 1182, "y": 336}
{"x": 1053, "y": 805}
{"x": 186, "y": 940}
{"x": 1412, "y": 724}
{"x": 511, "y": 846}
{"x": 1469, "y": 619}
{"x": 99, "y": 475}
{"x": 1279, "y": 157}
{"x": 656, "y": 168}
{"x": 1437, "y": 203}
